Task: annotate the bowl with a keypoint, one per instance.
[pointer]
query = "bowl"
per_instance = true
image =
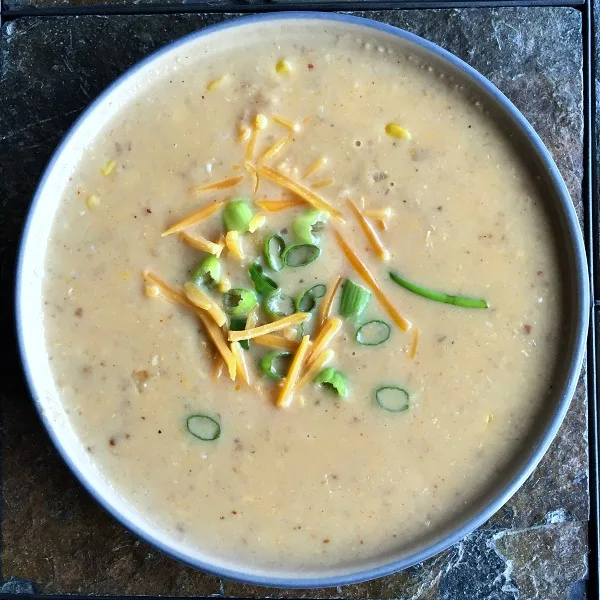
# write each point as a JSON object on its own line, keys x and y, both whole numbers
{"x": 35, "y": 357}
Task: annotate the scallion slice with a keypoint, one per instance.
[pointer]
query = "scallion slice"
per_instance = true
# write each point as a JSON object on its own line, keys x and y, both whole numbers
{"x": 237, "y": 215}
{"x": 334, "y": 380}
{"x": 278, "y": 305}
{"x": 207, "y": 272}
{"x": 300, "y": 255}
{"x": 307, "y": 300}
{"x": 355, "y": 298}
{"x": 373, "y": 333}
{"x": 239, "y": 324}
{"x": 273, "y": 250}
{"x": 463, "y": 301}
{"x": 273, "y": 364}
{"x": 238, "y": 302}
{"x": 264, "y": 285}
{"x": 392, "y": 398}
{"x": 309, "y": 226}
{"x": 203, "y": 427}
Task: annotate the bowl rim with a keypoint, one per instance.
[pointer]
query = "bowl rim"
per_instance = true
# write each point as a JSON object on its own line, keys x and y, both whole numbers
{"x": 582, "y": 305}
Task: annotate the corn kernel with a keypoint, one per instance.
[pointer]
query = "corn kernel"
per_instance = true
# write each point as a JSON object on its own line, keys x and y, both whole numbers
{"x": 260, "y": 121}
{"x": 256, "y": 222}
{"x": 224, "y": 284}
{"x": 243, "y": 132}
{"x": 396, "y": 131}
{"x": 215, "y": 83}
{"x": 108, "y": 168}
{"x": 92, "y": 202}
{"x": 283, "y": 67}
{"x": 152, "y": 290}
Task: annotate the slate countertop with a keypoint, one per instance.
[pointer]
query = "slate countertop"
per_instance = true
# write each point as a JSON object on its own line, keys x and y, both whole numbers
{"x": 56, "y": 539}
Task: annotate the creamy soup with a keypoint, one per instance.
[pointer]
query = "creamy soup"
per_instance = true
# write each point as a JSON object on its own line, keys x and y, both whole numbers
{"x": 347, "y": 150}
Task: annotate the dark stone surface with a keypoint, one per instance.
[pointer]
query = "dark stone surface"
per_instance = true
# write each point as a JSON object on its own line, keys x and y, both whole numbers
{"x": 55, "y": 536}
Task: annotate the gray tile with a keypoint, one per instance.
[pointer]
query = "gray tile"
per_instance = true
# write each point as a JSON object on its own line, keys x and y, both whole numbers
{"x": 53, "y": 533}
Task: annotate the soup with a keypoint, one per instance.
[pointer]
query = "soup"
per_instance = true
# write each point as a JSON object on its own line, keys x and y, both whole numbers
{"x": 356, "y": 221}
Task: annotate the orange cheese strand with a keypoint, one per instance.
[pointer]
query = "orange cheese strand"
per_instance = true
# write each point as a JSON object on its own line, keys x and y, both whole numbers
{"x": 247, "y": 334}
{"x": 366, "y": 276}
{"x": 275, "y": 149}
{"x": 414, "y": 344}
{"x": 323, "y": 339}
{"x": 327, "y": 302}
{"x": 219, "y": 185}
{"x": 196, "y": 217}
{"x": 274, "y": 206}
{"x": 297, "y": 188}
{"x": 369, "y": 232}
{"x": 277, "y": 342}
{"x": 287, "y": 391}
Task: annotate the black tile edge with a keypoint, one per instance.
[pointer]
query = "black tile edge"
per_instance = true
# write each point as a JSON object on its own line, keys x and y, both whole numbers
{"x": 240, "y": 6}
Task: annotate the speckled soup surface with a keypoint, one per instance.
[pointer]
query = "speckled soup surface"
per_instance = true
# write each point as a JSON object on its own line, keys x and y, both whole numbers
{"x": 56, "y": 539}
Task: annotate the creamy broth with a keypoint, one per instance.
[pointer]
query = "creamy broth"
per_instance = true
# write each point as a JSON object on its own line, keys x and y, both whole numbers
{"x": 323, "y": 481}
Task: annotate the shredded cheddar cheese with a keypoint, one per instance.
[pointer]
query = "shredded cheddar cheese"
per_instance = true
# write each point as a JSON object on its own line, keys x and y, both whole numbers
{"x": 216, "y": 335}
{"x": 200, "y": 215}
{"x": 274, "y": 206}
{"x": 225, "y": 184}
{"x": 201, "y": 243}
{"x": 275, "y": 149}
{"x": 379, "y": 213}
{"x": 327, "y": 302}
{"x": 295, "y": 127}
{"x": 320, "y": 162}
{"x": 297, "y": 188}
{"x": 323, "y": 339}
{"x": 369, "y": 232}
{"x": 289, "y": 384}
{"x": 242, "y": 367}
{"x": 233, "y": 241}
{"x": 365, "y": 274}
{"x": 170, "y": 293}
{"x": 277, "y": 342}
{"x": 198, "y": 298}
{"x": 252, "y": 171}
{"x": 322, "y": 360}
{"x": 256, "y": 222}
{"x": 414, "y": 344}
{"x": 248, "y": 334}
{"x": 321, "y": 184}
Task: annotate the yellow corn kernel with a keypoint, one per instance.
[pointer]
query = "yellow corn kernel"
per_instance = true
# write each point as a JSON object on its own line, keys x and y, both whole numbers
{"x": 260, "y": 121}
{"x": 256, "y": 222}
{"x": 396, "y": 131}
{"x": 283, "y": 67}
{"x": 152, "y": 291}
{"x": 108, "y": 168}
{"x": 215, "y": 83}
{"x": 243, "y": 132}
{"x": 224, "y": 284}
{"x": 234, "y": 244}
{"x": 92, "y": 202}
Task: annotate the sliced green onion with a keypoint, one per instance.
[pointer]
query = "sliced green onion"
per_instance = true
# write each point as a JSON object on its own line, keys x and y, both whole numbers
{"x": 355, "y": 298}
{"x": 264, "y": 285}
{"x": 373, "y": 333}
{"x": 273, "y": 250}
{"x": 301, "y": 255}
{"x": 239, "y": 301}
{"x": 203, "y": 427}
{"x": 309, "y": 226}
{"x": 392, "y": 398}
{"x": 271, "y": 364}
{"x": 237, "y": 215}
{"x": 207, "y": 272}
{"x": 239, "y": 324}
{"x": 279, "y": 305}
{"x": 318, "y": 291}
{"x": 464, "y": 301}
{"x": 334, "y": 380}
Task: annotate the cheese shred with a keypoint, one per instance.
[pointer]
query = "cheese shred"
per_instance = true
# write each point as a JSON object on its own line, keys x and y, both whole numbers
{"x": 327, "y": 302}
{"x": 414, "y": 344}
{"x": 369, "y": 232}
{"x": 242, "y": 367}
{"x": 323, "y": 339}
{"x": 233, "y": 241}
{"x": 275, "y": 149}
{"x": 200, "y": 215}
{"x": 198, "y": 298}
{"x": 247, "y": 334}
{"x": 277, "y": 342}
{"x": 225, "y": 184}
{"x": 274, "y": 206}
{"x": 201, "y": 243}
{"x": 297, "y": 188}
{"x": 365, "y": 274}
{"x": 313, "y": 369}
{"x": 287, "y": 391}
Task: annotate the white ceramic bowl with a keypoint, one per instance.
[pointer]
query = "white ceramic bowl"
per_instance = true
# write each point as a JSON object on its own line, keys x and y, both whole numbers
{"x": 30, "y": 315}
